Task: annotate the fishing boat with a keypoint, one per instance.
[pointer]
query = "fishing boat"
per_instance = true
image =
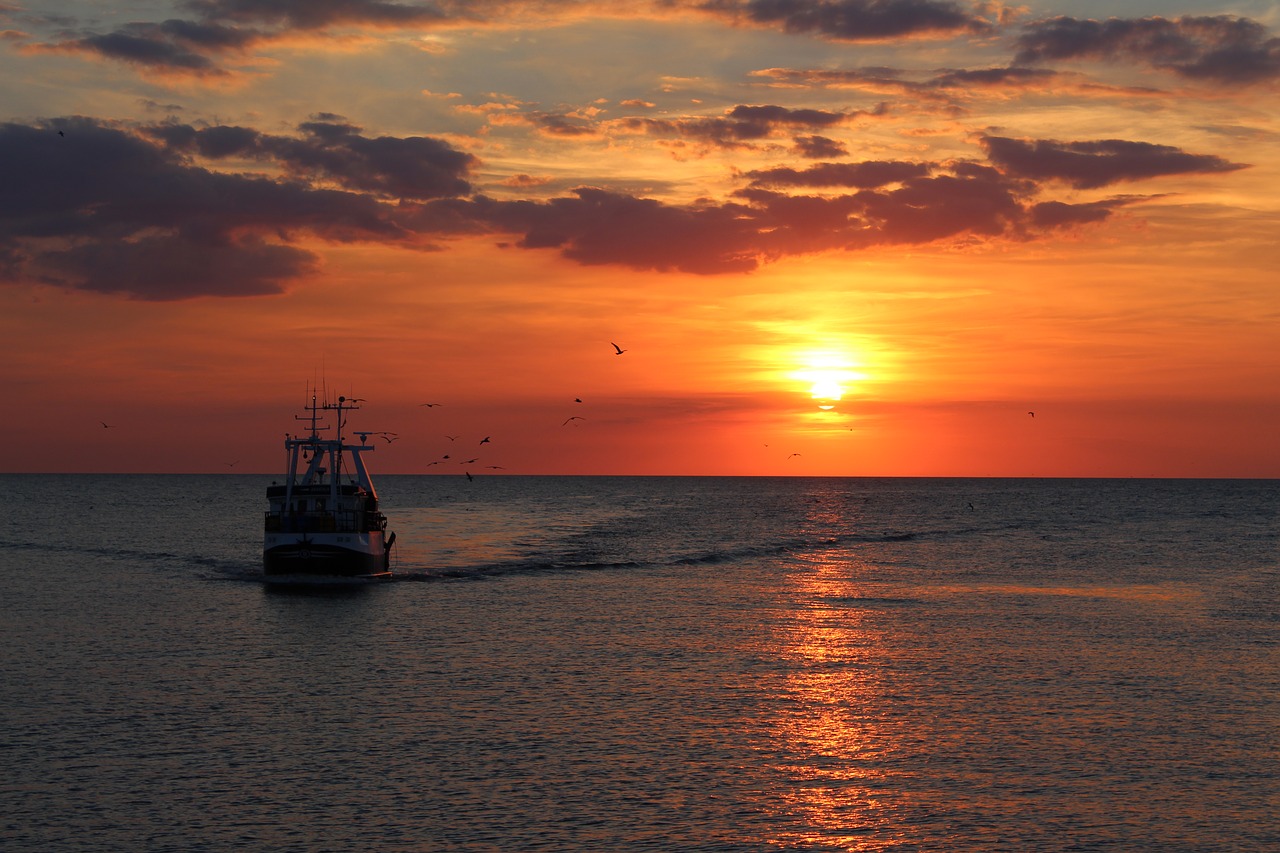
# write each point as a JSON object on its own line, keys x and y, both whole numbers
{"x": 324, "y": 520}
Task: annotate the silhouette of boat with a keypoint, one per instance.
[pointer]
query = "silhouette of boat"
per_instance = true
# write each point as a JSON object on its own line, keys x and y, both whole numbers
{"x": 324, "y": 521}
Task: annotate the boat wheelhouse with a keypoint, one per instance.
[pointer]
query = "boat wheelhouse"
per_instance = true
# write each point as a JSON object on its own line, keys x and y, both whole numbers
{"x": 324, "y": 520}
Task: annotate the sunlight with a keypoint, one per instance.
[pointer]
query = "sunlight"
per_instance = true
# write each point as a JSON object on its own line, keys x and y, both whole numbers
{"x": 828, "y": 376}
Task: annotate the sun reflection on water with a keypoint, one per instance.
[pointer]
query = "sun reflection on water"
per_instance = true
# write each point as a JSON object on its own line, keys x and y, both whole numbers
{"x": 836, "y": 738}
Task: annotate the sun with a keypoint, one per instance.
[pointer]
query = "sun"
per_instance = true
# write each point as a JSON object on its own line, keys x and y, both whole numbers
{"x": 827, "y": 390}
{"x": 828, "y": 376}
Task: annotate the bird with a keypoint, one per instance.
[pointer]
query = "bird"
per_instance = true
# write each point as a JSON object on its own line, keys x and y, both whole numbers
{"x": 430, "y": 405}
{"x": 452, "y": 437}
{"x": 60, "y": 133}
{"x": 574, "y": 418}
{"x": 577, "y": 399}
{"x": 106, "y": 425}
{"x": 619, "y": 349}
{"x": 468, "y": 462}
{"x": 390, "y": 437}
{"x": 793, "y": 454}
{"x": 469, "y": 477}
{"x": 497, "y": 467}
{"x": 232, "y": 464}
{"x": 1033, "y": 414}
{"x": 484, "y": 440}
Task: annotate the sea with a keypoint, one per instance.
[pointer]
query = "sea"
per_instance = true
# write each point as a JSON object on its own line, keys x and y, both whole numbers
{"x": 647, "y": 663}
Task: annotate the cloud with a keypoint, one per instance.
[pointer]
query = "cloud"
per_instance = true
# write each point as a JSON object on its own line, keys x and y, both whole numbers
{"x": 1221, "y": 48}
{"x": 1097, "y": 163}
{"x": 139, "y": 209}
{"x": 1057, "y": 214}
{"x": 855, "y": 20}
{"x": 219, "y": 28}
{"x": 315, "y": 14}
{"x": 865, "y": 175}
{"x": 329, "y": 148}
{"x": 97, "y": 206}
{"x": 173, "y": 46}
{"x": 816, "y": 147}
{"x": 743, "y": 124}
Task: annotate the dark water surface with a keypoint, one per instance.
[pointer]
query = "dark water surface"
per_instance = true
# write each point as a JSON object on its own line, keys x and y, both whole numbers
{"x": 727, "y": 664}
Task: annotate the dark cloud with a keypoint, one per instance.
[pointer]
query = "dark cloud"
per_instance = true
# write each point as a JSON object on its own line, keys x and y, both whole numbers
{"x": 596, "y": 226}
{"x": 743, "y": 124}
{"x": 1057, "y": 214}
{"x": 1221, "y": 48}
{"x": 220, "y": 27}
{"x": 137, "y": 210}
{"x": 173, "y": 267}
{"x": 865, "y": 175}
{"x": 1096, "y": 163}
{"x": 856, "y": 20}
{"x": 559, "y": 124}
{"x": 103, "y": 208}
{"x": 819, "y": 147}
{"x": 995, "y": 78}
{"x": 329, "y": 149}
{"x": 172, "y": 46}
{"x": 314, "y": 14}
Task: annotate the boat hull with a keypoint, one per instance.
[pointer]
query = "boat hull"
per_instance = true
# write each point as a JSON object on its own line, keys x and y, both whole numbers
{"x": 338, "y": 555}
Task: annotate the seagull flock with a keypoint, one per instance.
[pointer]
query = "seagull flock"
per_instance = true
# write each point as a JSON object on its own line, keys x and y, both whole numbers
{"x": 390, "y": 437}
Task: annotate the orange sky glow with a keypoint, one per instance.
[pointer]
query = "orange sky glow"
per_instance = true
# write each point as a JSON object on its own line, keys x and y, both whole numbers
{"x": 834, "y": 237}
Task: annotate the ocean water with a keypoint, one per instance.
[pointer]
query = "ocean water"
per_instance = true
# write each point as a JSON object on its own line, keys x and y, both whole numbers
{"x": 577, "y": 663}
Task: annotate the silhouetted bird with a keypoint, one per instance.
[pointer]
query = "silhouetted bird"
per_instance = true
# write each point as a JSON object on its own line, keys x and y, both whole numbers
{"x": 106, "y": 425}
{"x": 619, "y": 349}
{"x": 430, "y": 405}
{"x": 484, "y": 440}
{"x": 1033, "y": 414}
{"x": 469, "y": 477}
{"x": 574, "y": 418}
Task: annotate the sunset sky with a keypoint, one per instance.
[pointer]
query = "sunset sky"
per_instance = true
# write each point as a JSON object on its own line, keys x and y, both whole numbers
{"x": 833, "y": 237}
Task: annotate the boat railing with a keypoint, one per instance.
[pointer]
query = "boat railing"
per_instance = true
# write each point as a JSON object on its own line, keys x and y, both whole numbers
{"x": 326, "y": 521}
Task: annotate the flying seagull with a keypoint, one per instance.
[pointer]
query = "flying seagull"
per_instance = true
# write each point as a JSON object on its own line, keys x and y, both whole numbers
{"x": 574, "y": 418}
{"x": 1033, "y": 414}
{"x": 619, "y": 349}
{"x": 484, "y": 440}
{"x": 430, "y": 405}
{"x": 106, "y": 425}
